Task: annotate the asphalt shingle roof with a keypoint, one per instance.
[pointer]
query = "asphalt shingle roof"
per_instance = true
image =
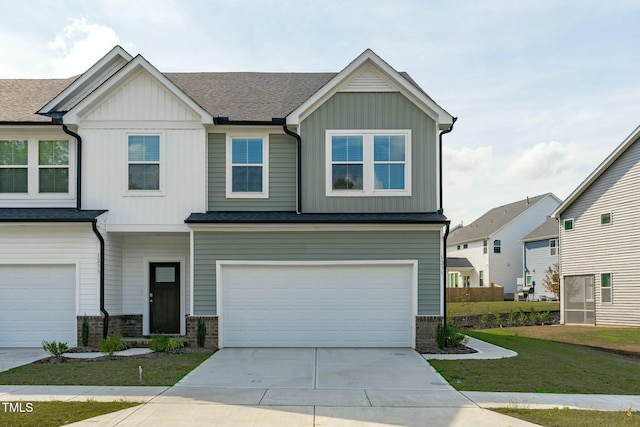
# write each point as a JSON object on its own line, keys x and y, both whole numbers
{"x": 458, "y": 263}
{"x": 48, "y": 215}
{"x": 548, "y": 230}
{"x": 20, "y": 99}
{"x": 292, "y": 217}
{"x": 492, "y": 221}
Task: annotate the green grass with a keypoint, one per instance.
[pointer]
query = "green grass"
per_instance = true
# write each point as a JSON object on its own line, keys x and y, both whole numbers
{"x": 164, "y": 370}
{"x": 543, "y": 367}
{"x": 573, "y": 417}
{"x": 455, "y": 309}
{"x": 53, "y": 414}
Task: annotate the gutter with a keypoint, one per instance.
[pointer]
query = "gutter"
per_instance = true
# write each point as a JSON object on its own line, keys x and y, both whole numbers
{"x": 441, "y": 210}
{"x": 298, "y": 168}
{"x": 105, "y": 323}
{"x": 78, "y": 165}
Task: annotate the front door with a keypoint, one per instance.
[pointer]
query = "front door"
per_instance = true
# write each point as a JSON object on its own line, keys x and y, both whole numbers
{"x": 164, "y": 297}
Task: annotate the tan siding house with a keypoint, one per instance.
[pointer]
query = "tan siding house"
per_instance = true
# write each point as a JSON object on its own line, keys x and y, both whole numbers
{"x": 600, "y": 242}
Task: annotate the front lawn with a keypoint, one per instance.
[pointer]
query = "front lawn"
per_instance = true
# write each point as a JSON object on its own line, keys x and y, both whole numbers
{"x": 54, "y": 414}
{"x": 573, "y": 417}
{"x": 457, "y": 309}
{"x": 544, "y": 367}
{"x": 164, "y": 369}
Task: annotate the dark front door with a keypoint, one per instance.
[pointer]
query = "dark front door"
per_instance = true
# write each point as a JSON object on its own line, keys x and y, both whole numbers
{"x": 164, "y": 297}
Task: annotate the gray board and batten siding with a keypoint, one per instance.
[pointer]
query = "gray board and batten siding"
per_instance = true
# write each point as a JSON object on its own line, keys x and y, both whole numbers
{"x": 376, "y": 111}
{"x": 282, "y": 176}
{"x": 423, "y": 246}
{"x": 592, "y": 248}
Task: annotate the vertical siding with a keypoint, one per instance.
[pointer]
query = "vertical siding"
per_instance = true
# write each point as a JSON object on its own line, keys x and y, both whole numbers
{"x": 537, "y": 260}
{"x": 317, "y": 246}
{"x": 138, "y": 247}
{"x": 370, "y": 111}
{"x": 113, "y": 292}
{"x": 54, "y": 244}
{"x": 591, "y": 248}
{"x": 282, "y": 176}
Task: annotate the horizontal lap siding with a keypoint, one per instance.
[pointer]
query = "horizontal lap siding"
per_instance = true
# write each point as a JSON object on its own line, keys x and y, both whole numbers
{"x": 537, "y": 261}
{"x": 369, "y": 111}
{"x": 591, "y": 248}
{"x": 57, "y": 244}
{"x": 317, "y": 246}
{"x": 282, "y": 176}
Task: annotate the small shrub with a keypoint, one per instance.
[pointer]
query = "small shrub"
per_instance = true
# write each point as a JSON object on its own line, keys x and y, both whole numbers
{"x": 85, "y": 331}
{"x": 202, "y": 332}
{"x": 544, "y": 317}
{"x": 164, "y": 343}
{"x": 484, "y": 320}
{"x": 533, "y": 317}
{"x": 450, "y": 336}
{"x": 54, "y": 348}
{"x": 522, "y": 317}
{"x": 441, "y": 336}
{"x": 111, "y": 344}
{"x": 497, "y": 319}
{"x": 511, "y": 318}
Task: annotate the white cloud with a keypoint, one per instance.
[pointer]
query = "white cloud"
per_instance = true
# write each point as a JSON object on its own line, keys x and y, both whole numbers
{"x": 543, "y": 159}
{"x": 80, "y": 45}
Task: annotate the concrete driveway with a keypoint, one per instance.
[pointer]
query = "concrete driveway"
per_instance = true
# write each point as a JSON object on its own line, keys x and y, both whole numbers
{"x": 312, "y": 387}
{"x": 14, "y": 357}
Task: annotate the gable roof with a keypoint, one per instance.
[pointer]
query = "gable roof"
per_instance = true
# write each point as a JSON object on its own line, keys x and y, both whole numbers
{"x": 619, "y": 151}
{"x": 547, "y": 230}
{"x": 492, "y": 221}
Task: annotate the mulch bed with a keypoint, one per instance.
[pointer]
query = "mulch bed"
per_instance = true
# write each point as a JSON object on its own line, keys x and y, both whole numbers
{"x": 462, "y": 349}
{"x": 154, "y": 355}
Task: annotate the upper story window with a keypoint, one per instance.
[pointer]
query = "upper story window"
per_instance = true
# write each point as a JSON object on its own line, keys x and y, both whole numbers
{"x": 567, "y": 224}
{"x": 484, "y": 246}
{"x": 53, "y": 166}
{"x": 496, "y": 246}
{"x": 605, "y": 218}
{"x": 248, "y": 167}
{"x": 144, "y": 162}
{"x": 14, "y": 167}
{"x": 368, "y": 163}
{"x": 465, "y": 246}
{"x": 553, "y": 246}
{"x": 36, "y": 168}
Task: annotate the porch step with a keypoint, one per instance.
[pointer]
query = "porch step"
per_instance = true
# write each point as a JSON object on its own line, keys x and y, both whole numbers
{"x": 143, "y": 342}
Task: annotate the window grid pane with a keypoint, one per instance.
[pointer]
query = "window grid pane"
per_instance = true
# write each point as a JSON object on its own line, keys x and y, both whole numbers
{"x": 347, "y": 176}
{"x": 54, "y": 180}
{"x": 13, "y": 153}
{"x": 144, "y": 177}
{"x": 53, "y": 153}
{"x": 144, "y": 148}
{"x": 246, "y": 179}
{"x": 389, "y": 159}
{"x": 13, "y": 180}
{"x": 247, "y": 165}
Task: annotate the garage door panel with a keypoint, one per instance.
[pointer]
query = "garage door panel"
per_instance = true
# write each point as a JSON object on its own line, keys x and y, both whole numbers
{"x": 38, "y": 304}
{"x": 316, "y": 305}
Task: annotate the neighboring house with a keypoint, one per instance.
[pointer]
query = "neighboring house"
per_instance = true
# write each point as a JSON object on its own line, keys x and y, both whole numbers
{"x": 600, "y": 242}
{"x": 283, "y": 209}
{"x": 492, "y": 243}
{"x": 540, "y": 251}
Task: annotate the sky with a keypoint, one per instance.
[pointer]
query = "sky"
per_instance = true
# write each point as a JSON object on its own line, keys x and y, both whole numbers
{"x": 543, "y": 90}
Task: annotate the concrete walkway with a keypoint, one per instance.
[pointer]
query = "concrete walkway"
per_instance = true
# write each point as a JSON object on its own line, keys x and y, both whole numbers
{"x": 314, "y": 387}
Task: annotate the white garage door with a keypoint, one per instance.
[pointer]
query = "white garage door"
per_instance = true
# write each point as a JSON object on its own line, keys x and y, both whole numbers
{"x": 38, "y": 303}
{"x": 317, "y": 305}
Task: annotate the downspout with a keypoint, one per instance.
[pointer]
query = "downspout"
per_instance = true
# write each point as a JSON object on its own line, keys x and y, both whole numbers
{"x": 78, "y": 165}
{"x": 299, "y": 171}
{"x": 444, "y": 279}
{"x": 441, "y": 210}
{"x": 105, "y": 323}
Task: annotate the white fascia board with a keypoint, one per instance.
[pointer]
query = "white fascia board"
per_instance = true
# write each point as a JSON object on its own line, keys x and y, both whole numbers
{"x": 230, "y": 227}
{"x": 442, "y": 117}
{"x": 116, "y": 54}
{"x": 139, "y": 62}
{"x": 619, "y": 150}
{"x": 148, "y": 228}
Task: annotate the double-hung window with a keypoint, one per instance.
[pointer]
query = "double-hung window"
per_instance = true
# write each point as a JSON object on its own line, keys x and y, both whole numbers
{"x": 53, "y": 166}
{"x": 497, "y": 246}
{"x": 368, "y": 163}
{"x": 14, "y": 166}
{"x": 605, "y": 287}
{"x": 247, "y": 167}
{"x": 553, "y": 247}
{"x": 144, "y": 162}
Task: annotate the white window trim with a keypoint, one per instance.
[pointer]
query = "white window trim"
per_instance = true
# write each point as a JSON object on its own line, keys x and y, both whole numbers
{"x": 264, "y": 194}
{"x": 610, "y": 219}
{"x": 573, "y": 224}
{"x": 368, "y": 179}
{"x": 160, "y": 192}
{"x": 610, "y": 287}
{"x": 553, "y": 248}
{"x": 33, "y": 171}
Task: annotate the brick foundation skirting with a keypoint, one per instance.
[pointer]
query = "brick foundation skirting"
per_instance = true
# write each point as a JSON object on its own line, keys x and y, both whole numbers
{"x": 426, "y": 333}
{"x": 127, "y": 325}
{"x": 211, "y": 338}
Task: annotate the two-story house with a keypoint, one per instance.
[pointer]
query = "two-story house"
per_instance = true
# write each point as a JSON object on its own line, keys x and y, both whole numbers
{"x": 283, "y": 209}
{"x": 492, "y": 243}
{"x": 600, "y": 242}
{"x": 540, "y": 252}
